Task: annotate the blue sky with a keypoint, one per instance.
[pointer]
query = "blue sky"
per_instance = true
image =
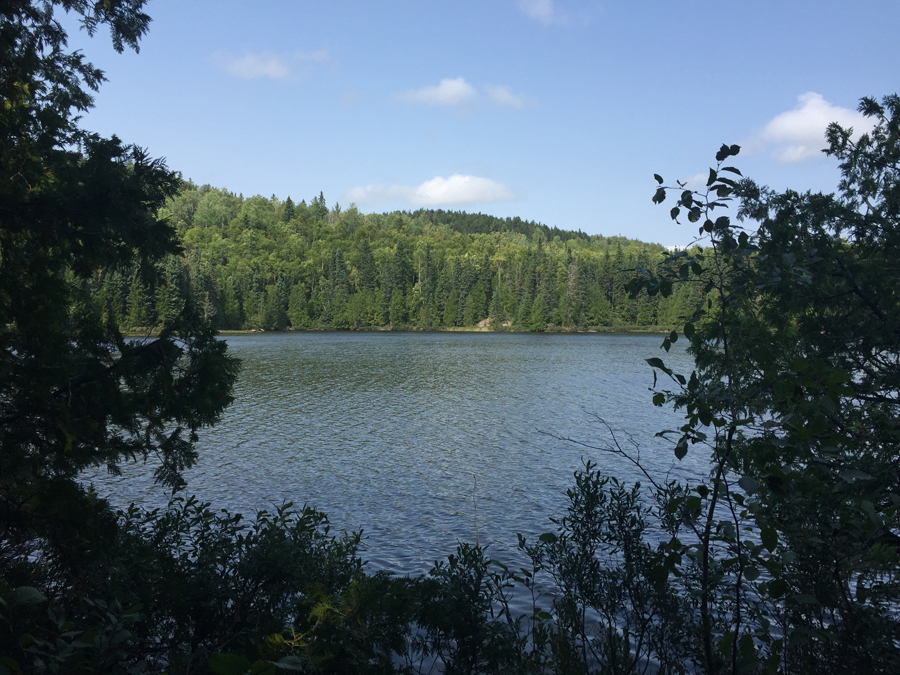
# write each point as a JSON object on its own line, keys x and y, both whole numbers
{"x": 558, "y": 111}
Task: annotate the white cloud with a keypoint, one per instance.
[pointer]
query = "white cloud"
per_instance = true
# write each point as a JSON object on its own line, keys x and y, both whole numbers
{"x": 799, "y": 134}
{"x": 251, "y": 66}
{"x": 458, "y": 92}
{"x": 453, "y": 191}
{"x": 504, "y": 97}
{"x": 542, "y": 10}
{"x": 449, "y": 92}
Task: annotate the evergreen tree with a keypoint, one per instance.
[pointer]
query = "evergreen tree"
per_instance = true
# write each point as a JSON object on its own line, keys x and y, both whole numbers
{"x": 287, "y": 213}
{"x": 298, "y": 313}
{"x": 451, "y": 309}
{"x": 137, "y": 317}
{"x": 73, "y": 393}
{"x": 366, "y": 266}
{"x": 171, "y": 293}
{"x": 274, "y": 315}
{"x": 478, "y": 299}
{"x": 428, "y": 276}
{"x": 113, "y": 300}
{"x": 318, "y": 209}
{"x": 398, "y": 311}
{"x": 231, "y": 305}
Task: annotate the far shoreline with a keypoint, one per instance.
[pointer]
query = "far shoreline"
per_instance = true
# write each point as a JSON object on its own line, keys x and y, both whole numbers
{"x": 600, "y": 330}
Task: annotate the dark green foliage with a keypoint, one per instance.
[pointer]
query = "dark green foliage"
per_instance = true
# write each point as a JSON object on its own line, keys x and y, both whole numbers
{"x": 287, "y": 214}
{"x": 80, "y": 227}
{"x": 793, "y": 537}
{"x": 611, "y": 611}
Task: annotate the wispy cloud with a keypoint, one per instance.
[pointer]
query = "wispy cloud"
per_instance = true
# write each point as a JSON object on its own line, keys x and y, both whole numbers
{"x": 276, "y": 66}
{"x": 453, "y": 92}
{"x": 695, "y": 181}
{"x": 504, "y": 97}
{"x": 542, "y": 10}
{"x": 456, "y": 190}
{"x": 799, "y": 134}
{"x": 457, "y": 92}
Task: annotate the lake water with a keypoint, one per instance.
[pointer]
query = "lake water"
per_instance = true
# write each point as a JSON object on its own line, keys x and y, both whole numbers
{"x": 408, "y": 435}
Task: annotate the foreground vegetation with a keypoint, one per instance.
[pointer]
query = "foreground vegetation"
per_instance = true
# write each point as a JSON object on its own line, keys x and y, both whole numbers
{"x": 783, "y": 560}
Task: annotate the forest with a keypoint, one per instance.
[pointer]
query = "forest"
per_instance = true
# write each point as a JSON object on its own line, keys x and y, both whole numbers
{"x": 267, "y": 264}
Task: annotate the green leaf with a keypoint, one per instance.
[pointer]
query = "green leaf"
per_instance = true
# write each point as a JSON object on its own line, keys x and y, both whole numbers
{"x": 681, "y": 448}
{"x": 9, "y": 665}
{"x": 675, "y": 504}
{"x": 659, "y": 400}
{"x": 851, "y": 475}
{"x": 674, "y": 212}
{"x": 751, "y": 572}
{"x": 660, "y": 196}
{"x": 712, "y": 177}
{"x": 777, "y": 588}
{"x": 658, "y": 363}
{"x": 687, "y": 198}
{"x": 658, "y": 178}
{"x": 548, "y": 538}
{"x": 723, "y": 153}
{"x": 689, "y": 330}
{"x": 732, "y": 170}
{"x": 228, "y": 664}
{"x": 749, "y": 485}
{"x": 27, "y": 595}
{"x": 769, "y": 538}
{"x": 290, "y": 663}
{"x": 727, "y": 181}
{"x": 263, "y": 668}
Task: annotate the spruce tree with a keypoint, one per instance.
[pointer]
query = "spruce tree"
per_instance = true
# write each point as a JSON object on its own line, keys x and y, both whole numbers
{"x": 287, "y": 213}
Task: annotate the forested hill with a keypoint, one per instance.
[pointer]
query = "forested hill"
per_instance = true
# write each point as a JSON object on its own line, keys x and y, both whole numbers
{"x": 481, "y": 223}
{"x": 266, "y": 264}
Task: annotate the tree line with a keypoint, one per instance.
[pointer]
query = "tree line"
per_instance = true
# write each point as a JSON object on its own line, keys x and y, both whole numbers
{"x": 267, "y": 264}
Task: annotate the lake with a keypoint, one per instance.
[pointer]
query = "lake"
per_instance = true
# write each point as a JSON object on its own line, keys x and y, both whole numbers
{"x": 424, "y": 439}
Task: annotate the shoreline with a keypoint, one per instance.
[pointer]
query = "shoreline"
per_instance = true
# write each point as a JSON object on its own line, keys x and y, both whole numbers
{"x": 603, "y": 330}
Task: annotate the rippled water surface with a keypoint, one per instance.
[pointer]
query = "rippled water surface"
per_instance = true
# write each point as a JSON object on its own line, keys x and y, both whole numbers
{"x": 408, "y": 435}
